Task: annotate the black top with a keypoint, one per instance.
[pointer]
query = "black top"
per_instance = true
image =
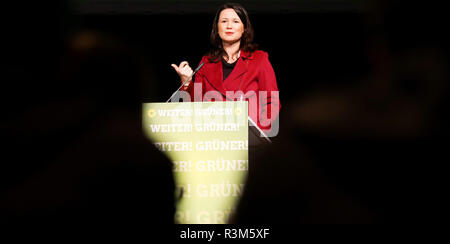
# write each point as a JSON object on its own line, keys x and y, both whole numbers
{"x": 227, "y": 68}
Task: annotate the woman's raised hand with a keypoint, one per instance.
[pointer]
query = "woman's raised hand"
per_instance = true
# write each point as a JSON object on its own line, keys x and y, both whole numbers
{"x": 184, "y": 71}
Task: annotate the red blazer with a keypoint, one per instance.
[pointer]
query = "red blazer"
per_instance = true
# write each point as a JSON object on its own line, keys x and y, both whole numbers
{"x": 252, "y": 75}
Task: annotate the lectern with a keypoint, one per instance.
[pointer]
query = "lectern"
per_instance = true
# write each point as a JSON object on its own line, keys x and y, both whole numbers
{"x": 208, "y": 144}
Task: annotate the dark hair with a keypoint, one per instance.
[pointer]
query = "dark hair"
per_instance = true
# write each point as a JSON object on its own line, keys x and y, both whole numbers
{"x": 246, "y": 39}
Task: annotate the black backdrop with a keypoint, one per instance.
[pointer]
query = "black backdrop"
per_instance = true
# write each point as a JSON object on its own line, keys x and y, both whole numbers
{"x": 306, "y": 49}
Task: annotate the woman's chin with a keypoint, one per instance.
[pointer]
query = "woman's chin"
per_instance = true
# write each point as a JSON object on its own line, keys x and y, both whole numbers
{"x": 229, "y": 41}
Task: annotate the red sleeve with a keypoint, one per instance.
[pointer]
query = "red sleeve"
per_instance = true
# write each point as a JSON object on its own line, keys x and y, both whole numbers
{"x": 270, "y": 103}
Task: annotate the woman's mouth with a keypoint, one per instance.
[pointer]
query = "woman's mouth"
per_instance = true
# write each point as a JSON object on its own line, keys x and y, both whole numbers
{"x": 229, "y": 33}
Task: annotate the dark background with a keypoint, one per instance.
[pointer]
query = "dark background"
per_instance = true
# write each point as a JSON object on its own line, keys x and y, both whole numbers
{"x": 363, "y": 87}
{"x": 307, "y": 46}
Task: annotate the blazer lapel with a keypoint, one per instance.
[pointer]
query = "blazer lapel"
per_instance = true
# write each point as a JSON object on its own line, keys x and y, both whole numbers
{"x": 232, "y": 82}
{"x": 235, "y": 80}
{"x": 214, "y": 77}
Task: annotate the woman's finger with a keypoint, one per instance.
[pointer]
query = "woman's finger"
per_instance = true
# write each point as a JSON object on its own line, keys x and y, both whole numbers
{"x": 175, "y": 67}
{"x": 187, "y": 70}
{"x": 183, "y": 64}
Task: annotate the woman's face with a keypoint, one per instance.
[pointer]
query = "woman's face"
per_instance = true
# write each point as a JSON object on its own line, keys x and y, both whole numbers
{"x": 230, "y": 26}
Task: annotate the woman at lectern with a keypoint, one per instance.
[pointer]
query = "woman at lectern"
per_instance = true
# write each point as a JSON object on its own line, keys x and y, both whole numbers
{"x": 234, "y": 69}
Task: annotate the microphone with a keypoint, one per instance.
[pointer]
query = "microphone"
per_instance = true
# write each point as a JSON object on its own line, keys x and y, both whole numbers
{"x": 193, "y": 73}
{"x": 197, "y": 69}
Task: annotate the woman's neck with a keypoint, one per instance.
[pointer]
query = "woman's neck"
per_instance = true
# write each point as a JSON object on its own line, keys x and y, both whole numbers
{"x": 232, "y": 51}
